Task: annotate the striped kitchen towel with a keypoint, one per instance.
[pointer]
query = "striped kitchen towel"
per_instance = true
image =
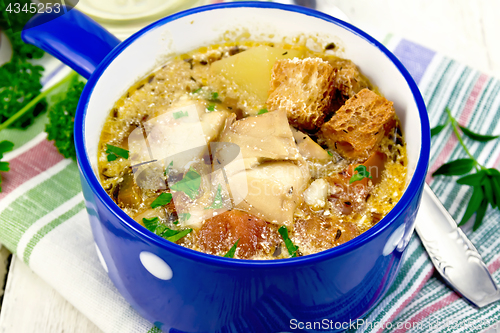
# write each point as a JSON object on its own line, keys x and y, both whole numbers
{"x": 44, "y": 222}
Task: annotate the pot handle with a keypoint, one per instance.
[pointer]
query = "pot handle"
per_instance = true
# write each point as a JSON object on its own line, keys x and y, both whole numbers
{"x": 72, "y": 37}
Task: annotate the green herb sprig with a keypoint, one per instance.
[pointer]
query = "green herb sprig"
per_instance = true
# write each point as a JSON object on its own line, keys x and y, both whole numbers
{"x": 153, "y": 224}
{"x": 292, "y": 249}
{"x": 362, "y": 174}
{"x": 62, "y": 115}
{"x": 485, "y": 182}
{"x": 21, "y": 90}
{"x": 19, "y": 78}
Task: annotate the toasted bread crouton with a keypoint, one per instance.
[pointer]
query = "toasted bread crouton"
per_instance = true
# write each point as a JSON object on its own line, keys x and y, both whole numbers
{"x": 359, "y": 125}
{"x": 348, "y": 81}
{"x": 304, "y": 89}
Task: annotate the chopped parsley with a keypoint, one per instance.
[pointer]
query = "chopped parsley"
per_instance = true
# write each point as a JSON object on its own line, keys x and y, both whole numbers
{"x": 180, "y": 114}
{"x": 169, "y": 167}
{"x": 161, "y": 230}
{"x": 113, "y": 152}
{"x": 217, "y": 204}
{"x": 178, "y": 235}
{"x": 232, "y": 250}
{"x": 215, "y": 96}
{"x": 196, "y": 91}
{"x": 292, "y": 249}
{"x": 211, "y": 107}
{"x": 184, "y": 216}
{"x": 151, "y": 224}
{"x": 190, "y": 184}
{"x": 362, "y": 173}
{"x": 162, "y": 200}
{"x": 262, "y": 111}
{"x": 329, "y": 153}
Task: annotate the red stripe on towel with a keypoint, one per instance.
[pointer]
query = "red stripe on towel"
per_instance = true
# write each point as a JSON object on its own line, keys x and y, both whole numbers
{"x": 28, "y": 165}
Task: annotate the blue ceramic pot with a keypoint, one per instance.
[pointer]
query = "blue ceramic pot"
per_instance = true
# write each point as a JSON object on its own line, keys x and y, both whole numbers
{"x": 181, "y": 290}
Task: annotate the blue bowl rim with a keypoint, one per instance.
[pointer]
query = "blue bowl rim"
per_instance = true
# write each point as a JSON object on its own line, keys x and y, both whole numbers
{"x": 412, "y": 190}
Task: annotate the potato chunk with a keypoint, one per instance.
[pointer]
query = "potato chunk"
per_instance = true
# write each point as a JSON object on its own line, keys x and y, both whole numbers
{"x": 304, "y": 88}
{"x": 220, "y": 232}
{"x": 359, "y": 125}
{"x": 250, "y": 70}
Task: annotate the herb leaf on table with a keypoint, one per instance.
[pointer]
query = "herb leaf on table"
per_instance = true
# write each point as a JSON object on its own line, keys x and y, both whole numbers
{"x": 484, "y": 181}
{"x": 20, "y": 89}
{"x": 5, "y": 146}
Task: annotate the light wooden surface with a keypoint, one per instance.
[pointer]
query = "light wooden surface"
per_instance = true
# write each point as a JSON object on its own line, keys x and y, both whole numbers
{"x": 463, "y": 29}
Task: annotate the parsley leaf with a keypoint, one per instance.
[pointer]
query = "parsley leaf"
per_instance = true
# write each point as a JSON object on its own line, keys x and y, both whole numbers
{"x": 217, "y": 204}
{"x": 178, "y": 235}
{"x": 19, "y": 86}
{"x": 19, "y": 78}
{"x": 5, "y": 146}
{"x": 162, "y": 200}
{"x": 113, "y": 152}
{"x": 184, "y": 216}
{"x": 232, "y": 250}
{"x": 169, "y": 167}
{"x": 262, "y": 111}
{"x": 154, "y": 329}
{"x": 161, "y": 230}
{"x": 180, "y": 114}
{"x": 211, "y": 107}
{"x": 292, "y": 249}
{"x": 362, "y": 173}
{"x": 189, "y": 184}
{"x": 62, "y": 117}
{"x": 151, "y": 224}
{"x": 214, "y": 97}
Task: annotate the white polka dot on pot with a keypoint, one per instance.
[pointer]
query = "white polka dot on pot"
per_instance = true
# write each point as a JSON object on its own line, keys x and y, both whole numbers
{"x": 155, "y": 265}
{"x": 394, "y": 240}
{"x": 101, "y": 258}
